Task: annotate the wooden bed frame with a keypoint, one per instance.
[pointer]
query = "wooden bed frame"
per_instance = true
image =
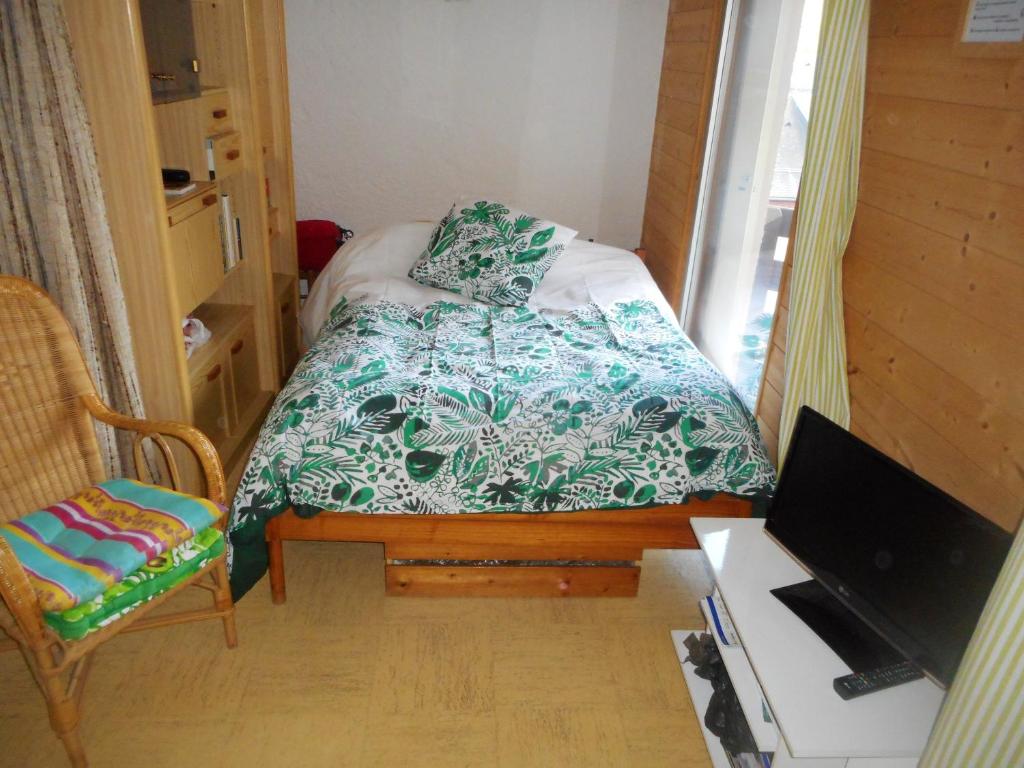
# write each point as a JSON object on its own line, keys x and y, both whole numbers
{"x": 551, "y": 554}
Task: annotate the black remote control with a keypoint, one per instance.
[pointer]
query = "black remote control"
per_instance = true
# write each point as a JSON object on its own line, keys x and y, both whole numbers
{"x": 858, "y": 683}
{"x": 175, "y": 176}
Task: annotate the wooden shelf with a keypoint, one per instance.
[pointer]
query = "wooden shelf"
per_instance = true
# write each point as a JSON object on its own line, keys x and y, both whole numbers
{"x": 230, "y": 323}
{"x": 250, "y": 419}
{"x": 176, "y": 202}
{"x": 283, "y": 285}
{"x": 794, "y": 668}
{"x": 234, "y": 468}
{"x": 273, "y": 226}
{"x": 222, "y": 320}
{"x": 748, "y": 690}
{"x": 700, "y": 694}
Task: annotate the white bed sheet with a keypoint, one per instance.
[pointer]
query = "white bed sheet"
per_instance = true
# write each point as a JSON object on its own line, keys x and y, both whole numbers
{"x": 376, "y": 265}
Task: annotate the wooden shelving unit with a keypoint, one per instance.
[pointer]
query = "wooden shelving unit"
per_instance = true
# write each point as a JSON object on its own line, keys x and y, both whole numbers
{"x": 283, "y": 286}
{"x": 176, "y": 204}
{"x": 273, "y": 225}
{"x": 170, "y": 252}
{"x": 286, "y": 296}
{"x": 242, "y": 402}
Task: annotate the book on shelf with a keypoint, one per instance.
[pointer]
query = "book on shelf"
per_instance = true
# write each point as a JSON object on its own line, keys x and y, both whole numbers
{"x": 228, "y": 241}
{"x": 211, "y": 161}
{"x": 719, "y": 621}
{"x": 238, "y": 238}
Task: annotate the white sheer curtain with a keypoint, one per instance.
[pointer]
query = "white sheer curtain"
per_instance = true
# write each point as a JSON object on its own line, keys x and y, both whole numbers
{"x": 53, "y": 221}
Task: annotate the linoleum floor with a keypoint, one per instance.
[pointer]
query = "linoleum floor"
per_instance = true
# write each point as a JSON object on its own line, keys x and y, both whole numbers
{"x": 343, "y": 676}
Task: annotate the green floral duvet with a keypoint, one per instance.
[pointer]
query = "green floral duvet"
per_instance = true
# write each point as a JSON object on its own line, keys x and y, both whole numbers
{"x": 471, "y": 408}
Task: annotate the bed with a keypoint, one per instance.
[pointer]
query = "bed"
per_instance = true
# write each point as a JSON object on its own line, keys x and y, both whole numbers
{"x": 494, "y": 450}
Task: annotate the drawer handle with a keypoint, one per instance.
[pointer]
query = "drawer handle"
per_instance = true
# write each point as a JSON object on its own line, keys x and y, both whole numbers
{"x": 233, "y": 154}
{"x": 214, "y": 373}
{"x": 220, "y": 114}
{"x": 237, "y": 346}
{"x": 209, "y": 199}
{"x": 285, "y": 307}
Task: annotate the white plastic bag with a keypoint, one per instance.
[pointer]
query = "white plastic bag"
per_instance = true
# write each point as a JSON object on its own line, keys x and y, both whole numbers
{"x": 196, "y": 334}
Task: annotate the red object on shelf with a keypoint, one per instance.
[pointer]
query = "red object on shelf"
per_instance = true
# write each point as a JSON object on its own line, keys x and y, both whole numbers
{"x": 318, "y": 241}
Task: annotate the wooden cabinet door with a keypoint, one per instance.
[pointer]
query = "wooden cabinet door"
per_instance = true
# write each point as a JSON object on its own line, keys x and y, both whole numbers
{"x": 289, "y": 334}
{"x": 170, "y": 49}
{"x": 198, "y": 258}
{"x": 210, "y": 408}
{"x": 182, "y": 271}
{"x": 215, "y": 113}
{"x": 227, "y": 154}
{"x": 245, "y": 368}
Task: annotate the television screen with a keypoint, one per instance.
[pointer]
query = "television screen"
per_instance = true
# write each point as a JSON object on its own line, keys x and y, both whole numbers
{"x": 908, "y": 559}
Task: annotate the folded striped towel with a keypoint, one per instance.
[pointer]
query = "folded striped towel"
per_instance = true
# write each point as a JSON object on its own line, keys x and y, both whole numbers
{"x": 79, "y": 547}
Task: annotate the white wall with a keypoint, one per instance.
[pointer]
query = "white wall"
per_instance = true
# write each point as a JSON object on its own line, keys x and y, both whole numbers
{"x": 399, "y": 106}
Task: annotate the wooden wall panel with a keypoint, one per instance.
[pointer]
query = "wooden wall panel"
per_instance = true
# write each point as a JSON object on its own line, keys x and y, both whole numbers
{"x": 928, "y": 68}
{"x": 934, "y": 272}
{"x": 692, "y": 36}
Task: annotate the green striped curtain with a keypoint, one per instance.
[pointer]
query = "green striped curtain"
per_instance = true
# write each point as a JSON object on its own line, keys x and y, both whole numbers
{"x": 981, "y": 723}
{"x": 816, "y": 339}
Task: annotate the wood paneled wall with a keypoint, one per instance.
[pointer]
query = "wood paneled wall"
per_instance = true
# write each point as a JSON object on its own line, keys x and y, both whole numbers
{"x": 934, "y": 272}
{"x": 688, "y": 68}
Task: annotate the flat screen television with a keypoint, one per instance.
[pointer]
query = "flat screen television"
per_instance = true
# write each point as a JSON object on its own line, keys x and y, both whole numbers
{"x": 908, "y": 565}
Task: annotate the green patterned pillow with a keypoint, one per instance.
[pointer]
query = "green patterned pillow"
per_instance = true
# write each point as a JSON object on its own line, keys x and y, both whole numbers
{"x": 489, "y": 252}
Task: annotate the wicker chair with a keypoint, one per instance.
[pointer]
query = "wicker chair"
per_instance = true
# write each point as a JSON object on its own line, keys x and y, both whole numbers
{"x": 48, "y": 452}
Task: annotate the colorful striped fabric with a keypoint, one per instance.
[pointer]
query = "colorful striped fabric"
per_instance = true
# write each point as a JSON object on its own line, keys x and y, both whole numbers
{"x": 79, "y": 547}
{"x": 816, "y": 338}
{"x": 981, "y": 724}
{"x": 154, "y": 578}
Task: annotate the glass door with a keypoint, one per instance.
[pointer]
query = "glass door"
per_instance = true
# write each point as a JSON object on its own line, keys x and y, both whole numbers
{"x": 751, "y": 177}
{"x": 170, "y": 49}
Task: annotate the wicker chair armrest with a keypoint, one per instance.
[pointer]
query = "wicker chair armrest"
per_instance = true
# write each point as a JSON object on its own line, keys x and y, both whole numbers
{"x": 198, "y": 442}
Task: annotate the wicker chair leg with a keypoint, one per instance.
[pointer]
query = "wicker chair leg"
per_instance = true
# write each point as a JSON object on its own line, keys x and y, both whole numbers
{"x": 222, "y": 599}
{"x": 73, "y": 746}
{"x": 62, "y": 706}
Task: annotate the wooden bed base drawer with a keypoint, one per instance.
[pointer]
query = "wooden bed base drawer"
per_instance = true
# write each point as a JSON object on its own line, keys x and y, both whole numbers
{"x": 511, "y": 580}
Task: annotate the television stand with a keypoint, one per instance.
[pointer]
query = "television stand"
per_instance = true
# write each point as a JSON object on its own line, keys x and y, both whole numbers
{"x": 852, "y": 639}
{"x": 783, "y": 672}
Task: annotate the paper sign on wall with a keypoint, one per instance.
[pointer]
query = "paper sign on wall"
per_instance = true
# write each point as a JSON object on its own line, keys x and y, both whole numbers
{"x": 995, "y": 21}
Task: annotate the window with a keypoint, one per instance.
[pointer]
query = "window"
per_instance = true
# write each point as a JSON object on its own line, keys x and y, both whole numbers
{"x": 752, "y": 174}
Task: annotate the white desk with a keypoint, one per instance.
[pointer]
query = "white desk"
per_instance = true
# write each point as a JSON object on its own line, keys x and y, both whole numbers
{"x": 795, "y": 668}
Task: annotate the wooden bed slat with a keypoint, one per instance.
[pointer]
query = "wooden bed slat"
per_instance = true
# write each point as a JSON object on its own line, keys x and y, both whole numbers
{"x": 503, "y": 551}
{"x": 511, "y": 581}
